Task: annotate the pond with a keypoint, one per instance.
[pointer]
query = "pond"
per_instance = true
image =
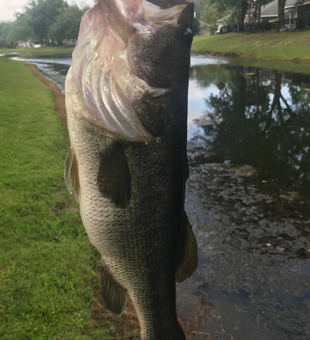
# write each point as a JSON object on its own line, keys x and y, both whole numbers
{"x": 244, "y": 115}
{"x": 247, "y": 199}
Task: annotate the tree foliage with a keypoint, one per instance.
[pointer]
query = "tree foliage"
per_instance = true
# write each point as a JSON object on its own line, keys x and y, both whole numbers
{"x": 67, "y": 24}
{"x": 212, "y": 10}
{"x": 5, "y": 28}
{"x": 211, "y": 14}
{"x": 20, "y": 29}
{"x": 196, "y": 27}
{"x": 43, "y": 20}
{"x": 43, "y": 14}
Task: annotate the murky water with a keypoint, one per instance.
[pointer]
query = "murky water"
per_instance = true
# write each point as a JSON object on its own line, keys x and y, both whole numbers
{"x": 247, "y": 199}
{"x": 254, "y": 116}
{"x": 248, "y": 202}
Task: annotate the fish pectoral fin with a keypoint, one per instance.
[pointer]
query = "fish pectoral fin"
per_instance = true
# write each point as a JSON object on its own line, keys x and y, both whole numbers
{"x": 189, "y": 260}
{"x": 114, "y": 295}
{"x": 113, "y": 179}
{"x": 71, "y": 174}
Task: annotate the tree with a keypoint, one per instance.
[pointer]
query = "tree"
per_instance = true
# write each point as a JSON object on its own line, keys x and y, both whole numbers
{"x": 199, "y": 6}
{"x": 43, "y": 14}
{"x": 237, "y": 7}
{"x": 259, "y": 4}
{"x": 67, "y": 24}
{"x": 5, "y": 28}
{"x": 281, "y": 6}
{"x": 211, "y": 14}
{"x": 196, "y": 27}
{"x": 20, "y": 29}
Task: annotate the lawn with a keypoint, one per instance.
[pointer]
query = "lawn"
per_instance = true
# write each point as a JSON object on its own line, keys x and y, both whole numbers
{"x": 47, "y": 266}
{"x": 39, "y": 51}
{"x": 293, "y": 46}
{"x": 280, "y": 46}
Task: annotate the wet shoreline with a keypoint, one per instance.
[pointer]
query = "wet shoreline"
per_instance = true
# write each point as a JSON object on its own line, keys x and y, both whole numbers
{"x": 254, "y": 265}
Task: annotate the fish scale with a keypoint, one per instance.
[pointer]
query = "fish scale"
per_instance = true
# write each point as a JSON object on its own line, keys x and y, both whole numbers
{"x": 131, "y": 194}
{"x": 117, "y": 233}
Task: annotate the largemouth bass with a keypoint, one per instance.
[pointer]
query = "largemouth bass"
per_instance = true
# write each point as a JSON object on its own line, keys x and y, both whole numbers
{"x": 126, "y": 101}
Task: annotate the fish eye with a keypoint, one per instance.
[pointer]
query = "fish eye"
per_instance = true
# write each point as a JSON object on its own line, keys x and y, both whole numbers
{"x": 187, "y": 37}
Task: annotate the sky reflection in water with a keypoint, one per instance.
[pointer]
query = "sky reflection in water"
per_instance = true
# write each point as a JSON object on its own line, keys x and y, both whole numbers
{"x": 253, "y": 116}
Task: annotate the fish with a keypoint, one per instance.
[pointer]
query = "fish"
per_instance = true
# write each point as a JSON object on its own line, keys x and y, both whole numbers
{"x": 126, "y": 101}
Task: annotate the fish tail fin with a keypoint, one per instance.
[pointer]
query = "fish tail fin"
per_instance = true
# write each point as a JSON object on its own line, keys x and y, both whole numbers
{"x": 114, "y": 295}
{"x": 189, "y": 259}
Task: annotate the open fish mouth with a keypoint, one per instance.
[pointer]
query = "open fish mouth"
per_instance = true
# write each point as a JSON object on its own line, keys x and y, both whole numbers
{"x": 110, "y": 77}
{"x": 128, "y": 84}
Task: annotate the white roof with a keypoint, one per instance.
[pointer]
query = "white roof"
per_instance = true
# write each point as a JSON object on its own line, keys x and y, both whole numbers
{"x": 271, "y": 9}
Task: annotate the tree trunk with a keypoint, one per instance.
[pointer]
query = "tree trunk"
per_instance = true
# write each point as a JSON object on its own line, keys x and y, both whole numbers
{"x": 244, "y": 7}
{"x": 256, "y": 116}
{"x": 276, "y": 99}
{"x": 281, "y": 5}
{"x": 259, "y": 3}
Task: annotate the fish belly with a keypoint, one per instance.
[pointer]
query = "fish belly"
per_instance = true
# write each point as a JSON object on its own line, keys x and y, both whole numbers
{"x": 138, "y": 244}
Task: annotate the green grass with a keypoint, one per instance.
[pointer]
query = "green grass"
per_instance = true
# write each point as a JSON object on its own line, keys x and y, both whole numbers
{"x": 39, "y": 51}
{"x": 280, "y": 46}
{"x": 47, "y": 271}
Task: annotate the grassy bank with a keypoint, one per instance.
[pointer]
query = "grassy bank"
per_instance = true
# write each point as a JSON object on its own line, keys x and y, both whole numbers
{"x": 39, "y": 51}
{"x": 280, "y": 46}
{"x": 47, "y": 266}
{"x": 285, "y": 46}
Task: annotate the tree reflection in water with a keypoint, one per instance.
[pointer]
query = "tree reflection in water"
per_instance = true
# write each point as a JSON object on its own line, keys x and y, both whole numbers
{"x": 260, "y": 118}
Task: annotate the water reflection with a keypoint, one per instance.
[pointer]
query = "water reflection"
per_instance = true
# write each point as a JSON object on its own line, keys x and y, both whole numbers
{"x": 244, "y": 115}
{"x": 257, "y": 117}
{"x": 253, "y": 238}
{"x": 54, "y": 67}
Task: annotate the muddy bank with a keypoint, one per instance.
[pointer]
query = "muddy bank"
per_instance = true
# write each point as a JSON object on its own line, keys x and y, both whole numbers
{"x": 59, "y": 98}
{"x": 254, "y": 253}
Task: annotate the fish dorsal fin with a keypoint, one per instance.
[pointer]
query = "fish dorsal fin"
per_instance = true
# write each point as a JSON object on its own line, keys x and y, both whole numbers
{"x": 114, "y": 295}
{"x": 113, "y": 180}
{"x": 71, "y": 174}
{"x": 189, "y": 259}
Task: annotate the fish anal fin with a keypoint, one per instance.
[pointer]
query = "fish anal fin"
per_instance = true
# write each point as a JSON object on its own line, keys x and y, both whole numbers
{"x": 113, "y": 179}
{"x": 189, "y": 260}
{"x": 71, "y": 174}
{"x": 114, "y": 295}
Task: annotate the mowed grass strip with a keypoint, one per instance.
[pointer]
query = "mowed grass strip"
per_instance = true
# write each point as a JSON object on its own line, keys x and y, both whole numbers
{"x": 47, "y": 271}
{"x": 278, "y": 45}
{"x": 47, "y": 50}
